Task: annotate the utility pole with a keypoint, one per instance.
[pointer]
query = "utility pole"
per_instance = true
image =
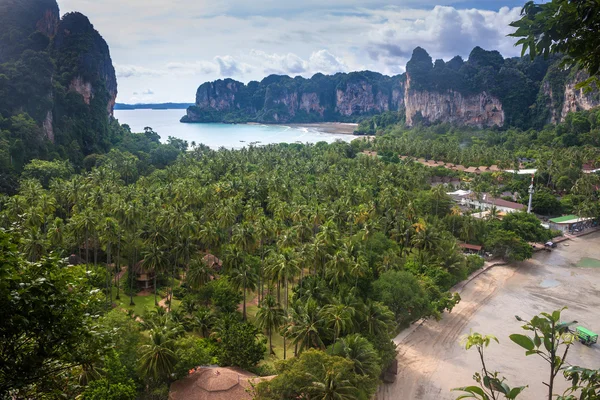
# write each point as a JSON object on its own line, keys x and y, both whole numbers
{"x": 531, "y": 191}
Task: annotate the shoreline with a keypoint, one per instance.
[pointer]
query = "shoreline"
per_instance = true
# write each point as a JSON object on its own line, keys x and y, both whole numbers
{"x": 336, "y": 128}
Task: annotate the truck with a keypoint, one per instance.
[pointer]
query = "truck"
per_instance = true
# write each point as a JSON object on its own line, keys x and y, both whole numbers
{"x": 586, "y": 336}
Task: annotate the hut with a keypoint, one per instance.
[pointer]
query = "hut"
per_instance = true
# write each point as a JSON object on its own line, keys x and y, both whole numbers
{"x": 470, "y": 248}
{"x": 213, "y": 262}
{"x": 213, "y": 383}
{"x": 143, "y": 276}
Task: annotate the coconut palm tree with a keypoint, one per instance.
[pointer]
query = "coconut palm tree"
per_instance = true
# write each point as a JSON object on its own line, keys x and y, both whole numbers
{"x": 305, "y": 326}
{"x": 198, "y": 273}
{"x": 331, "y": 386}
{"x": 361, "y": 352}
{"x": 155, "y": 260}
{"x": 157, "y": 359}
{"x": 338, "y": 317}
{"x": 377, "y": 318}
{"x": 270, "y": 317}
{"x": 244, "y": 277}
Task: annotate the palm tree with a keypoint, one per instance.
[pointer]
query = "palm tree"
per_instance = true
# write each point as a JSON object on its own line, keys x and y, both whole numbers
{"x": 203, "y": 319}
{"x": 109, "y": 234}
{"x": 244, "y": 277}
{"x": 305, "y": 326}
{"x": 377, "y": 318}
{"x": 361, "y": 352}
{"x": 331, "y": 386}
{"x": 198, "y": 273}
{"x": 270, "y": 317}
{"x": 155, "y": 260}
{"x": 157, "y": 358}
{"x": 338, "y": 317}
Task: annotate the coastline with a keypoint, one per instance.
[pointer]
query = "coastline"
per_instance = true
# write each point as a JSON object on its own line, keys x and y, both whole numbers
{"x": 339, "y": 128}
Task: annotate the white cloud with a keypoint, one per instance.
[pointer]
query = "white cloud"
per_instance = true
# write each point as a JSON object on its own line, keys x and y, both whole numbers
{"x": 148, "y": 92}
{"x": 128, "y": 71}
{"x": 175, "y": 46}
{"x": 325, "y": 62}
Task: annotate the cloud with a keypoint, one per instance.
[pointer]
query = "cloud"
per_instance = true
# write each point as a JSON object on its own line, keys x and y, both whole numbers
{"x": 175, "y": 46}
{"x": 443, "y": 32}
{"x": 198, "y": 67}
{"x": 229, "y": 66}
{"x": 129, "y": 71}
{"x": 148, "y": 92}
{"x": 325, "y": 62}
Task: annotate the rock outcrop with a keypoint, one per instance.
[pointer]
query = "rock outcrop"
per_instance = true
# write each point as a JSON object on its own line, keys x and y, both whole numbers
{"x": 84, "y": 54}
{"x": 484, "y": 91}
{"x": 578, "y": 99}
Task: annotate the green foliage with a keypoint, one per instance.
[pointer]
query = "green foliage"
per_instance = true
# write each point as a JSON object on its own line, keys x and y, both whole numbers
{"x": 319, "y": 375}
{"x": 224, "y": 296}
{"x": 192, "y": 352}
{"x": 508, "y": 245}
{"x": 526, "y": 226}
{"x": 114, "y": 385}
{"x": 403, "y": 294}
{"x": 561, "y": 27}
{"x": 46, "y": 313}
{"x": 240, "y": 344}
{"x": 45, "y": 171}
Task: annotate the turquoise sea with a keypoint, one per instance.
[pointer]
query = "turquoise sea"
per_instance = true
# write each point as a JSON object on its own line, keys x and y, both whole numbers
{"x": 166, "y": 123}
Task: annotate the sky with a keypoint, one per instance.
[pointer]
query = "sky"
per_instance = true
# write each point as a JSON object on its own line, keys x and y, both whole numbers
{"x": 164, "y": 49}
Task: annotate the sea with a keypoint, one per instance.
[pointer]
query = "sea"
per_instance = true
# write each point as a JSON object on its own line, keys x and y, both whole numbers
{"x": 231, "y": 136}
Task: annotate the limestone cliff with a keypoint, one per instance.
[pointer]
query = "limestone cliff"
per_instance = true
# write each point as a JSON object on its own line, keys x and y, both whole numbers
{"x": 578, "y": 99}
{"x": 481, "y": 109}
{"x": 83, "y": 61}
{"x": 281, "y": 99}
{"x": 484, "y": 91}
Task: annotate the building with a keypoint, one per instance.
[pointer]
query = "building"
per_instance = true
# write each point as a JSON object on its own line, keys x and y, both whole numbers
{"x": 208, "y": 383}
{"x": 470, "y": 248}
{"x": 484, "y": 202}
{"x": 570, "y": 223}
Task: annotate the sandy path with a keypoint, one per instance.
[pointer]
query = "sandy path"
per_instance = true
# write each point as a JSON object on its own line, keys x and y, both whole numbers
{"x": 431, "y": 360}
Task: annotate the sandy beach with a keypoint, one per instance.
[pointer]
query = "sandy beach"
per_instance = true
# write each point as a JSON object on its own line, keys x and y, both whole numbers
{"x": 329, "y": 127}
{"x": 431, "y": 361}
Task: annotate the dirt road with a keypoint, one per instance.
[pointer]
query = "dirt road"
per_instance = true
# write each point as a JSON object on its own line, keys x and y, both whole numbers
{"x": 431, "y": 360}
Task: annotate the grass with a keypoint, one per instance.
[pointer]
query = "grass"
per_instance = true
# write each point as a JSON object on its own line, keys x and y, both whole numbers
{"x": 251, "y": 311}
{"x": 142, "y": 303}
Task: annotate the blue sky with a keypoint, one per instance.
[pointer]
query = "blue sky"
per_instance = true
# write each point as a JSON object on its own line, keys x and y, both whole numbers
{"x": 164, "y": 49}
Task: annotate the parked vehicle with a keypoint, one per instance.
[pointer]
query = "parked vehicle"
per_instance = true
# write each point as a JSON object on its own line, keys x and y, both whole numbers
{"x": 586, "y": 336}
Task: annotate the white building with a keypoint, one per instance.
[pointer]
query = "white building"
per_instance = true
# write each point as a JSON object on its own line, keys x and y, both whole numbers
{"x": 467, "y": 198}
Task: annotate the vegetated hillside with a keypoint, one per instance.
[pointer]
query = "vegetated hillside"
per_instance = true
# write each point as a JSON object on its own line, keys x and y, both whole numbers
{"x": 57, "y": 86}
{"x": 486, "y": 90}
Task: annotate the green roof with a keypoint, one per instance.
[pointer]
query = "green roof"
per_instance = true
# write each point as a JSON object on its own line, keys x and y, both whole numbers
{"x": 563, "y": 219}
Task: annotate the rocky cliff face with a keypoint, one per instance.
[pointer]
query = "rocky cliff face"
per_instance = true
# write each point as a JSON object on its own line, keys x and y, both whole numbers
{"x": 85, "y": 57}
{"x": 281, "y": 99}
{"x": 484, "y": 91}
{"x": 481, "y": 110}
{"x": 577, "y": 99}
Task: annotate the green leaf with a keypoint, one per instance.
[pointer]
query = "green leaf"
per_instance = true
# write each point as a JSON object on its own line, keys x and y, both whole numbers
{"x": 536, "y": 340}
{"x": 547, "y": 344}
{"x": 556, "y": 315}
{"x": 472, "y": 389}
{"x": 523, "y": 341}
{"x": 514, "y": 392}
